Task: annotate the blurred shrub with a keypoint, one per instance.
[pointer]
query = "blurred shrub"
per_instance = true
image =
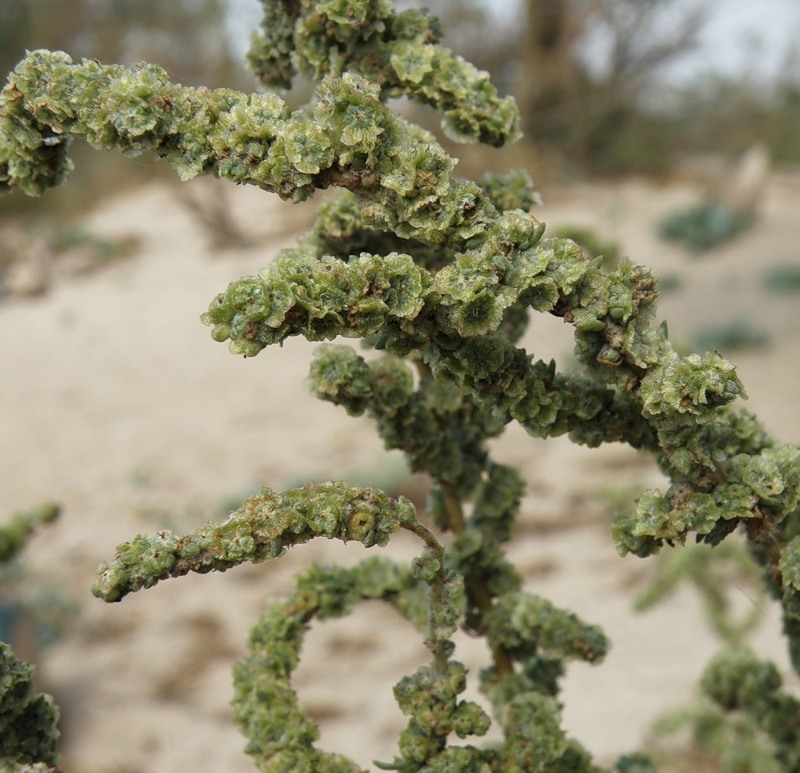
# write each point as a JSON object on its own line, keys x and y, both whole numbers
{"x": 783, "y": 279}
{"x": 33, "y": 258}
{"x": 702, "y": 227}
{"x": 735, "y": 336}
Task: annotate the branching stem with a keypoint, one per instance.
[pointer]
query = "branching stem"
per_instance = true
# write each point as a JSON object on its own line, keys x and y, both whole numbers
{"x": 474, "y": 583}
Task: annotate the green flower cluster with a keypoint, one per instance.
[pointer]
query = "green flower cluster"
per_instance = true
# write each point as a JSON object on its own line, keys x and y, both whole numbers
{"x": 453, "y": 453}
{"x": 262, "y": 528}
{"x": 529, "y": 626}
{"x": 320, "y": 299}
{"x": 281, "y": 736}
{"x": 736, "y": 681}
{"x": 28, "y": 719}
{"x": 397, "y": 51}
{"x": 430, "y": 700}
{"x": 28, "y": 732}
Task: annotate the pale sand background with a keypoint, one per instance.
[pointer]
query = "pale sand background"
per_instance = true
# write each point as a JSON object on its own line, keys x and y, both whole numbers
{"x": 116, "y": 403}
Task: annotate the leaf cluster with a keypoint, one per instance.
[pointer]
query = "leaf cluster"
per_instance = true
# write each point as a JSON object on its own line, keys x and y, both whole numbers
{"x": 28, "y": 718}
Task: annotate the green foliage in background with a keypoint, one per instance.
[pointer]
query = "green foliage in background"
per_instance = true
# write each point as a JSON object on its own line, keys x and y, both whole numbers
{"x": 738, "y": 335}
{"x": 439, "y": 275}
{"x": 28, "y": 733}
{"x": 783, "y": 280}
{"x": 703, "y": 227}
{"x": 28, "y": 718}
{"x": 721, "y": 737}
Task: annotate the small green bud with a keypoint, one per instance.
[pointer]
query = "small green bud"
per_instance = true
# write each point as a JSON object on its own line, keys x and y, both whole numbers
{"x": 470, "y": 719}
{"x": 426, "y": 567}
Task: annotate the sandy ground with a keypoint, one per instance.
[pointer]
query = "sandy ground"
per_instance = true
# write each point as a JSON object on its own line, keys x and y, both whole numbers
{"x": 117, "y": 404}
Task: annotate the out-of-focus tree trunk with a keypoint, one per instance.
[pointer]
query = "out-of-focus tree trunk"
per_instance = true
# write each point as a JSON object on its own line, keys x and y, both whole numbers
{"x": 595, "y": 116}
{"x": 550, "y": 73}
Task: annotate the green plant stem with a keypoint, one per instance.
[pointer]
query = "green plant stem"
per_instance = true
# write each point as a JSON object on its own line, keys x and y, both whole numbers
{"x": 474, "y": 583}
{"x": 437, "y": 643}
{"x": 454, "y": 512}
{"x": 428, "y": 537}
{"x": 763, "y": 535}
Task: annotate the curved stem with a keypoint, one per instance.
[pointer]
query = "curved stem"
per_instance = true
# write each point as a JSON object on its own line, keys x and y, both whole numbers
{"x": 436, "y": 642}
{"x": 473, "y": 583}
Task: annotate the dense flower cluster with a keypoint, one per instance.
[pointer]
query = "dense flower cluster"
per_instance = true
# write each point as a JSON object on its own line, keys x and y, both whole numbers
{"x": 262, "y": 528}
{"x": 28, "y": 718}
